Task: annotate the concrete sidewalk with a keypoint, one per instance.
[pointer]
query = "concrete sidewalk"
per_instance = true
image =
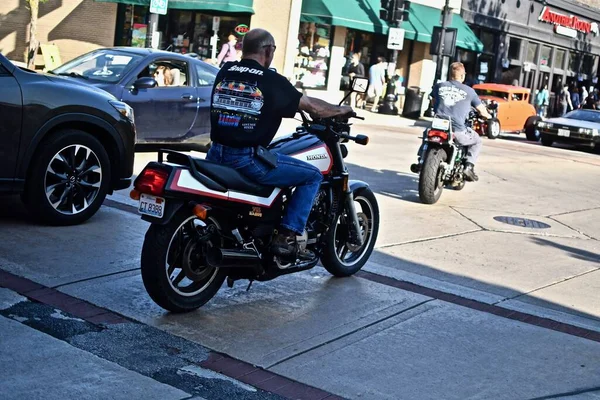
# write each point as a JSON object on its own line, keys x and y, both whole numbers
{"x": 35, "y": 365}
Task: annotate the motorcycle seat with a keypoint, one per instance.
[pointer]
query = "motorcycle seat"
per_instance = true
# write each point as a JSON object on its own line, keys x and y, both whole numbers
{"x": 231, "y": 179}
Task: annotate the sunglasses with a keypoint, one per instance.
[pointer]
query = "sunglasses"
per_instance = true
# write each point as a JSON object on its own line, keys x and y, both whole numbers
{"x": 270, "y": 45}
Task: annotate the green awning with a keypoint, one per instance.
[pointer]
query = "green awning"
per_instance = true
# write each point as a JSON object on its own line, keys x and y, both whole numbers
{"x": 364, "y": 15}
{"x": 238, "y": 6}
{"x": 355, "y": 14}
{"x": 422, "y": 19}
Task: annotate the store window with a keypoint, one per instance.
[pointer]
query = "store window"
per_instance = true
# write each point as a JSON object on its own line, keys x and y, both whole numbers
{"x": 362, "y": 43}
{"x": 531, "y": 51}
{"x": 559, "y": 61}
{"x": 135, "y": 26}
{"x": 191, "y": 32}
{"x": 487, "y": 38}
{"x": 589, "y": 63}
{"x": 546, "y": 57}
{"x": 314, "y": 52}
{"x": 514, "y": 49}
{"x": 574, "y": 64}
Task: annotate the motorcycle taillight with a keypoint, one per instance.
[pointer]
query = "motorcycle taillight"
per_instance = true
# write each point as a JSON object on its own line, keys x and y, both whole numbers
{"x": 152, "y": 181}
{"x": 441, "y": 134}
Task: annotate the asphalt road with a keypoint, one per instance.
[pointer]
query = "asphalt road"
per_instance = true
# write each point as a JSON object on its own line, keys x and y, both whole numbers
{"x": 453, "y": 304}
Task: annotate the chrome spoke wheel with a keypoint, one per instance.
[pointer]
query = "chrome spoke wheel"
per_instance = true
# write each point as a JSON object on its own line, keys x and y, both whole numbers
{"x": 349, "y": 253}
{"x": 73, "y": 179}
{"x": 495, "y": 128}
{"x": 185, "y": 265}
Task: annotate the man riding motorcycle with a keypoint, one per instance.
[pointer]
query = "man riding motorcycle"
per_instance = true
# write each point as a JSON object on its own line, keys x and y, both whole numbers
{"x": 248, "y": 103}
{"x": 454, "y": 99}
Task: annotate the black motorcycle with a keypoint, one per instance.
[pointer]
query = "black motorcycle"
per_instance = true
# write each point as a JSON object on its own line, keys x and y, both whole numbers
{"x": 210, "y": 223}
{"x": 441, "y": 161}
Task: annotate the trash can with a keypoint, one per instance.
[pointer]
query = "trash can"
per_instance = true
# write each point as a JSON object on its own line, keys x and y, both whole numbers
{"x": 413, "y": 103}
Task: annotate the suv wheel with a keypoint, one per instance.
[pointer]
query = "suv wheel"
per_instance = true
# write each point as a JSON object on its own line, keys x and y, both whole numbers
{"x": 69, "y": 178}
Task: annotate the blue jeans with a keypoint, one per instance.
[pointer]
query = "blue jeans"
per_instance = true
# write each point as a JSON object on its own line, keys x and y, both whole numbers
{"x": 289, "y": 172}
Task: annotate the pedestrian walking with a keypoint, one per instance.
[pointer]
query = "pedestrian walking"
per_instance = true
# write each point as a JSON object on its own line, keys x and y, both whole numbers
{"x": 228, "y": 52}
{"x": 564, "y": 99}
{"x": 542, "y": 100}
{"x": 376, "y": 81}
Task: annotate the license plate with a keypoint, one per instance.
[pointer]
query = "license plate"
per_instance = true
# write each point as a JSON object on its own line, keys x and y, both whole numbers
{"x": 152, "y": 206}
{"x": 564, "y": 132}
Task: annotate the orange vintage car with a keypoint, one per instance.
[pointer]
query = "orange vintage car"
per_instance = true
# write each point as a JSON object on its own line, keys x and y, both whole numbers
{"x": 515, "y": 114}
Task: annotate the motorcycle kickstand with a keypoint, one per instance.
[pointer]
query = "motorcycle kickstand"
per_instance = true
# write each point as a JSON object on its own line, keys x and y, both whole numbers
{"x": 249, "y": 285}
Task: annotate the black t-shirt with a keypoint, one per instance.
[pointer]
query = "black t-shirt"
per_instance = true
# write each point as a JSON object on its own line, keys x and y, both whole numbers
{"x": 248, "y": 104}
{"x": 357, "y": 69}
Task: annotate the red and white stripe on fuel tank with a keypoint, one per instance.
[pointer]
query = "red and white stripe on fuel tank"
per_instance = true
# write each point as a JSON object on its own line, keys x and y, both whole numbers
{"x": 318, "y": 156}
{"x": 185, "y": 182}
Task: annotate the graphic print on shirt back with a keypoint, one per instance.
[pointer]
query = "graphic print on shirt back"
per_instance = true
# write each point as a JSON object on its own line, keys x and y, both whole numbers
{"x": 238, "y": 102}
{"x": 452, "y": 95}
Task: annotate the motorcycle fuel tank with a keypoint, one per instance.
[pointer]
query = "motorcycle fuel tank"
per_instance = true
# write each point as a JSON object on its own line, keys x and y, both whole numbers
{"x": 306, "y": 148}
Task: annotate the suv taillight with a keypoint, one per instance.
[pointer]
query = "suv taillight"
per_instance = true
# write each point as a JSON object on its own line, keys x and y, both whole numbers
{"x": 152, "y": 181}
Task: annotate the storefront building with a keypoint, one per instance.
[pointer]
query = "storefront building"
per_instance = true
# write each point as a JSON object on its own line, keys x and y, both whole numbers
{"x": 74, "y": 26}
{"x": 203, "y": 27}
{"x": 536, "y": 43}
{"x": 331, "y": 31}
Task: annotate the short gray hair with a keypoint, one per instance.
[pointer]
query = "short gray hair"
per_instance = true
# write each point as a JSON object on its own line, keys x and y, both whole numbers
{"x": 256, "y": 40}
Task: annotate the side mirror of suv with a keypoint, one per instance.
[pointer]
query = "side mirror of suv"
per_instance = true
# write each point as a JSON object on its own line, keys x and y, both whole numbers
{"x": 145, "y": 83}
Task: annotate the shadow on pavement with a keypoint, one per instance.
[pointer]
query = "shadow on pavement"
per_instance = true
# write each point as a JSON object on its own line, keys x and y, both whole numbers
{"x": 405, "y": 186}
{"x": 574, "y": 252}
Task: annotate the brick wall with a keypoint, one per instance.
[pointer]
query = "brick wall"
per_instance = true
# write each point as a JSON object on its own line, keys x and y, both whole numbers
{"x": 75, "y": 26}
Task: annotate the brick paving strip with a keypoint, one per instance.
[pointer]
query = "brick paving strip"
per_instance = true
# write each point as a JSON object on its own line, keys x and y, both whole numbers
{"x": 216, "y": 362}
{"x": 484, "y": 307}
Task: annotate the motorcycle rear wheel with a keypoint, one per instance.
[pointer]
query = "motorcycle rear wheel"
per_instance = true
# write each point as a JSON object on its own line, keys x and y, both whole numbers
{"x": 431, "y": 183}
{"x": 173, "y": 267}
{"x": 341, "y": 258}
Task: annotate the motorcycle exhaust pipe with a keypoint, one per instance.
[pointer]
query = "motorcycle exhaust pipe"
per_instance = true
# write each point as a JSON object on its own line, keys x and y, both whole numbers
{"x": 233, "y": 258}
{"x": 415, "y": 168}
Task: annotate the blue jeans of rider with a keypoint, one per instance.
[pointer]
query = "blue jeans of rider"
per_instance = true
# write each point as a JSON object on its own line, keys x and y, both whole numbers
{"x": 289, "y": 172}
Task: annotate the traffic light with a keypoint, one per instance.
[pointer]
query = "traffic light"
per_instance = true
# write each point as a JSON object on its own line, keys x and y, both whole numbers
{"x": 385, "y": 13}
{"x": 394, "y": 10}
{"x": 401, "y": 8}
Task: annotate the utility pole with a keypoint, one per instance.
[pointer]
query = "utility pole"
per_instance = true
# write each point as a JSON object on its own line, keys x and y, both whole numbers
{"x": 446, "y": 15}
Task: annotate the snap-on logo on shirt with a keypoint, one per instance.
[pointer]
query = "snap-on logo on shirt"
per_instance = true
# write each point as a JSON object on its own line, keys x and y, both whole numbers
{"x": 237, "y": 68}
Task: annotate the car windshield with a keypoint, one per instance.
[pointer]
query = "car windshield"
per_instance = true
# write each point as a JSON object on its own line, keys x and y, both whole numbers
{"x": 492, "y": 93}
{"x": 102, "y": 65}
{"x": 584, "y": 115}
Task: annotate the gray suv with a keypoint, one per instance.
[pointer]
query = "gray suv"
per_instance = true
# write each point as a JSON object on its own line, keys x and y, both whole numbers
{"x": 64, "y": 145}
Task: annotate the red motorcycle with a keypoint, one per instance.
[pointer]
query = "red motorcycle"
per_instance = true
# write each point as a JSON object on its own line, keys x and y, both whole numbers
{"x": 489, "y": 128}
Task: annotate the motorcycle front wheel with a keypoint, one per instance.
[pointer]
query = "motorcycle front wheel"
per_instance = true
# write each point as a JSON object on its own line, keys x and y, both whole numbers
{"x": 431, "y": 179}
{"x": 342, "y": 258}
{"x": 173, "y": 264}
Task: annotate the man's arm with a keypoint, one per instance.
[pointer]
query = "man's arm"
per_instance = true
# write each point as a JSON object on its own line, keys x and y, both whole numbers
{"x": 483, "y": 111}
{"x": 322, "y": 109}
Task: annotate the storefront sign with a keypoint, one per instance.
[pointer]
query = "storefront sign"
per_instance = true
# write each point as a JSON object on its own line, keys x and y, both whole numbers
{"x": 567, "y": 21}
{"x": 159, "y": 6}
{"x": 242, "y": 29}
{"x": 561, "y": 30}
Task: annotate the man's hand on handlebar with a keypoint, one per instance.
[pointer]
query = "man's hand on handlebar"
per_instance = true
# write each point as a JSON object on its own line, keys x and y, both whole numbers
{"x": 482, "y": 109}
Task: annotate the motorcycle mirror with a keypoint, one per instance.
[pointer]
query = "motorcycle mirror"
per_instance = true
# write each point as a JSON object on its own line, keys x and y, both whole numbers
{"x": 360, "y": 85}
